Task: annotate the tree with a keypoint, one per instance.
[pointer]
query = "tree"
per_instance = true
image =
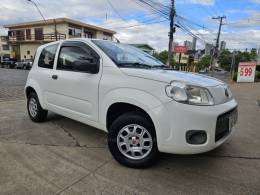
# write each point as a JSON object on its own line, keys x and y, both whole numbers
{"x": 163, "y": 57}
{"x": 225, "y": 59}
{"x": 253, "y": 54}
{"x": 204, "y": 62}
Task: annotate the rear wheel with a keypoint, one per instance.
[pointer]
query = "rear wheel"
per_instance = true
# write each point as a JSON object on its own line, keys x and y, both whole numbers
{"x": 132, "y": 141}
{"x": 35, "y": 111}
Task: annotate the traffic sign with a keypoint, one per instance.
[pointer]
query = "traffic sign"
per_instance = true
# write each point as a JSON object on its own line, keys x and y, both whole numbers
{"x": 180, "y": 49}
{"x": 246, "y": 72}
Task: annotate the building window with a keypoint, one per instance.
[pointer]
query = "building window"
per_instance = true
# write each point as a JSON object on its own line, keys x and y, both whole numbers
{"x": 10, "y": 33}
{"x": 28, "y": 52}
{"x": 75, "y": 31}
{"x": 4, "y": 38}
{"x": 28, "y": 34}
{"x": 6, "y": 47}
{"x": 88, "y": 34}
{"x": 20, "y": 35}
{"x": 38, "y": 33}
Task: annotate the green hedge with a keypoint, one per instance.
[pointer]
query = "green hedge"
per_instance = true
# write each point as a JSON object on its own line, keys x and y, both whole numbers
{"x": 235, "y": 76}
{"x": 257, "y": 75}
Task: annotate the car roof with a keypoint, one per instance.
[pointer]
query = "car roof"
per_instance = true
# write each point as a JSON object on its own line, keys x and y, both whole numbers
{"x": 73, "y": 39}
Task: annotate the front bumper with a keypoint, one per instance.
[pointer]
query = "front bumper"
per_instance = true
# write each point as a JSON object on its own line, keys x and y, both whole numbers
{"x": 172, "y": 121}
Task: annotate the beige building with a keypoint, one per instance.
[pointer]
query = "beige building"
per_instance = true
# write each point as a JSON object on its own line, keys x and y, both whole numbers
{"x": 25, "y": 38}
{"x": 183, "y": 58}
{"x": 5, "y": 49}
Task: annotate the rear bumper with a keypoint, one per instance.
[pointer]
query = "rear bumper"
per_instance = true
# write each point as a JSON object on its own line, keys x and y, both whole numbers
{"x": 173, "y": 120}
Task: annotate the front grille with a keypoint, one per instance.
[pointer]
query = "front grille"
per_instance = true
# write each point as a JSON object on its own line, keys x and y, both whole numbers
{"x": 222, "y": 127}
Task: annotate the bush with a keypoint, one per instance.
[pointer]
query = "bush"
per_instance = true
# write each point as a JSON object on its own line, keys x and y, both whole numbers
{"x": 257, "y": 75}
{"x": 235, "y": 76}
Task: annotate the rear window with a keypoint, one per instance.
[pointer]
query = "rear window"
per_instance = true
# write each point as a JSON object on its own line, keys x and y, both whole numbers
{"x": 47, "y": 56}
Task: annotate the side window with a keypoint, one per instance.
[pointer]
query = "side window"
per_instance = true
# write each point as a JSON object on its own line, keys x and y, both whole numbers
{"x": 76, "y": 58}
{"x": 47, "y": 56}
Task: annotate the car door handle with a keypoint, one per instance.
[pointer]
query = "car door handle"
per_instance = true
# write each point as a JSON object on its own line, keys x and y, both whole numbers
{"x": 55, "y": 77}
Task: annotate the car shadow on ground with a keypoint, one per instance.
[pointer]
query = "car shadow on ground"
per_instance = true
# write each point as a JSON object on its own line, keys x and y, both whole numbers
{"x": 87, "y": 136}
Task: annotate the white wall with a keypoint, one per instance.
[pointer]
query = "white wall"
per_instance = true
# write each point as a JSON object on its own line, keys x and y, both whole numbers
{"x": 4, "y": 52}
{"x": 100, "y": 35}
{"x": 31, "y": 47}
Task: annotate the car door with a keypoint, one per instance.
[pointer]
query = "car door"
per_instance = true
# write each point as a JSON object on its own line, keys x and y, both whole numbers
{"x": 43, "y": 73}
{"x": 75, "y": 86}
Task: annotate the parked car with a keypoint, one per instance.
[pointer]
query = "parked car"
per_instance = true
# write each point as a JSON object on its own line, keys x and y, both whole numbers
{"x": 8, "y": 63}
{"x": 203, "y": 70}
{"x": 144, "y": 106}
{"x": 217, "y": 69}
{"x": 24, "y": 64}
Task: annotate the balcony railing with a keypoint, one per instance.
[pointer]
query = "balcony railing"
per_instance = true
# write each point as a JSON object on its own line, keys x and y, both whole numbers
{"x": 37, "y": 37}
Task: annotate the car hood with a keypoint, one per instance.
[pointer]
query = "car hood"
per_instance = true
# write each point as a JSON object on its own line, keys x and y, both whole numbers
{"x": 170, "y": 75}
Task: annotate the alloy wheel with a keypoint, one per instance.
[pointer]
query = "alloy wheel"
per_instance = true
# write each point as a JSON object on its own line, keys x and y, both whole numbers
{"x": 134, "y": 141}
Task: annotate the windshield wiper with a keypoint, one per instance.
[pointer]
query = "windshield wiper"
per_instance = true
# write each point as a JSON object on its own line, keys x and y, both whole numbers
{"x": 134, "y": 64}
{"x": 161, "y": 66}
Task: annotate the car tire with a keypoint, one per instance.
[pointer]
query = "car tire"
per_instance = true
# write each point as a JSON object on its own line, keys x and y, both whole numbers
{"x": 35, "y": 111}
{"x": 133, "y": 151}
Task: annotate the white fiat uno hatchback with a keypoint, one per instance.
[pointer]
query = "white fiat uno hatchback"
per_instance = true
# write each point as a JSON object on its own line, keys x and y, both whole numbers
{"x": 144, "y": 106}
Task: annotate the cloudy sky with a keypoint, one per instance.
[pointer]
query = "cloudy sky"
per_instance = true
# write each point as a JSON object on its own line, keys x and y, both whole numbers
{"x": 137, "y": 23}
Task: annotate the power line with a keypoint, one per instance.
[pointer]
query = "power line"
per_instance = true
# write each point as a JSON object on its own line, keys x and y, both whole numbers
{"x": 148, "y": 21}
{"x": 144, "y": 24}
{"x": 242, "y": 21}
{"x": 135, "y": 18}
{"x": 206, "y": 10}
{"x": 185, "y": 29}
{"x": 197, "y": 33}
{"x": 38, "y": 9}
{"x": 115, "y": 10}
{"x": 194, "y": 23}
{"x": 156, "y": 6}
{"x": 151, "y": 8}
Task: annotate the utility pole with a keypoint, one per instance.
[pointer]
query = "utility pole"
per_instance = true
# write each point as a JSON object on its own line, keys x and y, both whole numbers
{"x": 172, "y": 31}
{"x": 233, "y": 64}
{"x": 215, "y": 53}
{"x": 55, "y": 29}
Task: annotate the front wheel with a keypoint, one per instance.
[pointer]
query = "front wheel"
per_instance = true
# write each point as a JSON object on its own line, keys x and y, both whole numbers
{"x": 132, "y": 140}
{"x": 35, "y": 111}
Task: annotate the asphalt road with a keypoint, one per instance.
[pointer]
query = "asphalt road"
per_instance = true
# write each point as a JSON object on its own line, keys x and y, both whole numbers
{"x": 62, "y": 156}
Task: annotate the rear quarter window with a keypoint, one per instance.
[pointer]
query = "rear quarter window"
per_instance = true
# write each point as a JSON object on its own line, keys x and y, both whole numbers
{"x": 46, "y": 59}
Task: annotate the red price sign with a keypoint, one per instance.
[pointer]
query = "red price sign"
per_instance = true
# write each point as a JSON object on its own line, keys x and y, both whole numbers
{"x": 180, "y": 49}
{"x": 246, "y": 72}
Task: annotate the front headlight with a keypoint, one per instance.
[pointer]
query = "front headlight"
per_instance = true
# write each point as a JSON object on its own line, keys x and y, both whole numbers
{"x": 189, "y": 94}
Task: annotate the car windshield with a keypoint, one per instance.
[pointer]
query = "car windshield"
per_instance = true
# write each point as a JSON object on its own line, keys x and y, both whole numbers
{"x": 125, "y": 55}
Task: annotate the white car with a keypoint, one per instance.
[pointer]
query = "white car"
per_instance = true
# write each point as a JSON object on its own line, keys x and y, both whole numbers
{"x": 145, "y": 107}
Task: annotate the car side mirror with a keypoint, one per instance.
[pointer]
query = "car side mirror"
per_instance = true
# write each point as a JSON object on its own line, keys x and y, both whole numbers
{"x": 90, "y": 65}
